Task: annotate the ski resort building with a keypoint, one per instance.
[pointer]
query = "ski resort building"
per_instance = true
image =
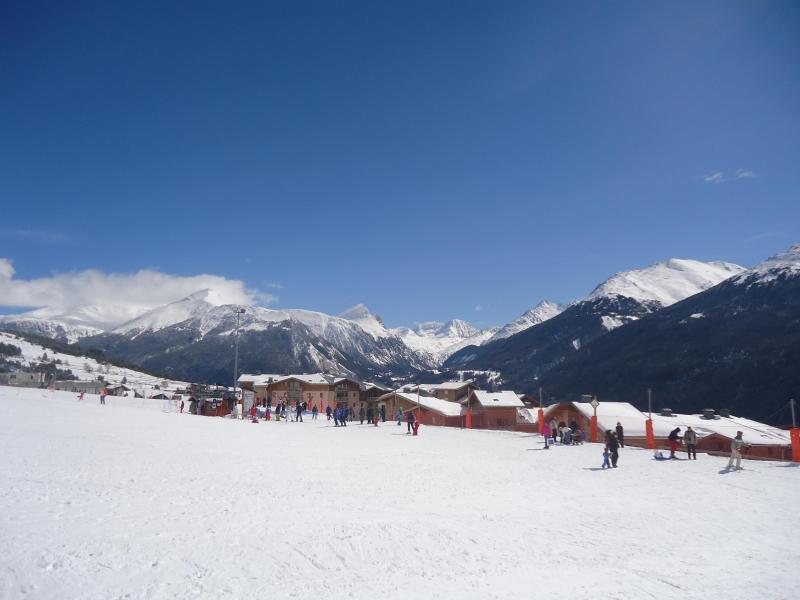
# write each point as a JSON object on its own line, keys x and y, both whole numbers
{"x": 429, "y": 410}
{"x": 714, "y": 431}
{"x": 493, "y": 410}
{"x": 23, "y": 379}
{"x": 318, "y": 389}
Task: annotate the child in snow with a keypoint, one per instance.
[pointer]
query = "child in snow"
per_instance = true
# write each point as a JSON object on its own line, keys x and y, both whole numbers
{"x": 606, "y": 455}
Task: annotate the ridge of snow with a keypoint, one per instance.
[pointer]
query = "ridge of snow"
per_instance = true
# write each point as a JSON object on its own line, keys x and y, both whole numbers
{"x": 667, "y": 282}
{"x": 369, "y": 322}
{"x": 538, "y": 314}
{"x": 785, "y": 263}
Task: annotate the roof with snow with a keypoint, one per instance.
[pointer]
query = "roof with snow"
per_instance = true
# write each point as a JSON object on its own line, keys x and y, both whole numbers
{"x": 443, "y": 407}
{"x": 504, "y": 399}
{"x": 453, "y": 385}
{"x": 309, "y": 378}
{"x": 633, "y": 422}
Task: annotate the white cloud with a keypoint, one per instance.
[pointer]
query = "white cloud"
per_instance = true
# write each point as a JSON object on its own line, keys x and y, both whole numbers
{"x": 718, "y": 177}
{"x": 479, "y": 307}
{"x": 105, "y": 300}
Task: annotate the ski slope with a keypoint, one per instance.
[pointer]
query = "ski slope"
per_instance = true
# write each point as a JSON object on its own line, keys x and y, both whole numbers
{"x": 119, "y": 502}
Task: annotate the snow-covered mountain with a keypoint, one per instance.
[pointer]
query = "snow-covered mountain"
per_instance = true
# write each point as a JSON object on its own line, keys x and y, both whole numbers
{"x": 734, "y": 345}
{"x": 62, "y": 331}
{"x": 666, "y": 282}
{"x": 783, "y": 265}
{"x": 621, "y": 299}
{"x": 538, "y": 314}
{"x": 439, "y": 340}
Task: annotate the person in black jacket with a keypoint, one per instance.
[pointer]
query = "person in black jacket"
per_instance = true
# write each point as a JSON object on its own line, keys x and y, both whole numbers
{"x": 674, "y": 440}
{"x": 620, "y": 435}
{"x": 613, "y": 447}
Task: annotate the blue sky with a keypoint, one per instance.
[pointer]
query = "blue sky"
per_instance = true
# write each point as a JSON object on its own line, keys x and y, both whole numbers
{"x": 430, "y": 159}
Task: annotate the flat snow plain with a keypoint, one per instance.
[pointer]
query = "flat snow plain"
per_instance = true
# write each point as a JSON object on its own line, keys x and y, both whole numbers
{"x": 119, "y": 502}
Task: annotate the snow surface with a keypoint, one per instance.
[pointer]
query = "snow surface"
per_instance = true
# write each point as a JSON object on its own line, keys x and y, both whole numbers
{"x": 88, "y": 369}
{"x": 667, "y": 282}
{"x": 104, "y": 502}
{"x": 538, "y": 314}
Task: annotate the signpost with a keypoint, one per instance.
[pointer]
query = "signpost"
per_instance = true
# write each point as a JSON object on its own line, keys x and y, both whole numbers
{"x": 593, "y": 432}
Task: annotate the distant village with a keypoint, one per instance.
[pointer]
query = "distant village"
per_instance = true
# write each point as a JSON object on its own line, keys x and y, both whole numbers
{"x": 449, "y": 404}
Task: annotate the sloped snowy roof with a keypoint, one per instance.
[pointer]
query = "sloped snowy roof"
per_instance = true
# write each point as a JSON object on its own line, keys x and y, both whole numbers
{"x": 453, "y": 385}
{"x": 309, "y": 378}
{"x": 443, "y": 407}
{"x": 633, "y": 422}
{"x": 505, "y": 399}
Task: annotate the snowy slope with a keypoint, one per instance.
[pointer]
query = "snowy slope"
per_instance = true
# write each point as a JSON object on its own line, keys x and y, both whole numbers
{"x": 361, "y": 316}
{"x": 783, "y": 264}
{"x": 85, "y": 368}
{"x": 440, "y": 340}
{"x": 538, "y": 314}
{"x": 55, "y": 330}
{"x": 666, "y": 282}
{"x": 106, "y": 502}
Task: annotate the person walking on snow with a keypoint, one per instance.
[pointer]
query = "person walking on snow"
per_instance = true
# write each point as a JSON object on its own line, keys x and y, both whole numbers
{"x": 606, "y": 455}
{"x": 736, "y": 451}
{"x": 410, "y": 418}
{"x": 554, "y": 429}
{"x": 361, "y": 414}
{"x": 181, "y": 406}
{"x": 613, "y": 447}
{"x": 399, "y": 416}
{"x": 314, "y": 412}
{"x": 383, "y": 413}
{"x": 690, "y": 439}
{"x": 299, "y": 413}
{"x": 328, "y": 412}
{"x": 620, "y": 435}
{"x": 674, "y": 441}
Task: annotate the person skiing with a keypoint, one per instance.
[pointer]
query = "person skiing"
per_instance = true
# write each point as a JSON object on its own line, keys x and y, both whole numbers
{"x": 103, "y": 395}
{"x": 674, "y": 441}
{"x": 546, "y": 434}
{"x": 399, "y": 416}
{"x": 690, "y": 439}
{"x": 181, "y": 406}
{"x": 299, "y": 413}
{"x": 328, "y": 412}
{"x": 80, "y": 397}
{"x": 620, "y": 435}
{"x": 410, "y": 418}
{"x": 361, "y": 414}
{"x": 613, "y": 447}
{"x": 370, "y": 414}
{"x": 314, "y": 412}
{"x": 736, "y": 451}
{"x": 383, "y": 413}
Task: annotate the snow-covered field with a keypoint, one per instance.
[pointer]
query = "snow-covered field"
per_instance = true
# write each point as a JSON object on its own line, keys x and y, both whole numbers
{"x": 118, "y": 502}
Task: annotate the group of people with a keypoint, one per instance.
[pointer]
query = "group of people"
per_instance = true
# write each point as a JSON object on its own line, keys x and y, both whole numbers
{"x": 674, "y": 440}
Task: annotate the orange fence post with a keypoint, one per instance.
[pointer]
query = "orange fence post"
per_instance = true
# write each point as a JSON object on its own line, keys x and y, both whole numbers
{"x": 593, "y": 432}
{"x": 540, "y": 418}
{"x": 795, "y": 437}
{"x": 651, "y": 439}
{"x": 469, "y": 419}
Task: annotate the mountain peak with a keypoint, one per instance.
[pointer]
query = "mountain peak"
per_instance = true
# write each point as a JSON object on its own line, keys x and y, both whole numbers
{"x": 533, "y": 316}
{"x": 785, "y": 263}
{"x": 369, "y": 322}
{"x": 666, "y": 282}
